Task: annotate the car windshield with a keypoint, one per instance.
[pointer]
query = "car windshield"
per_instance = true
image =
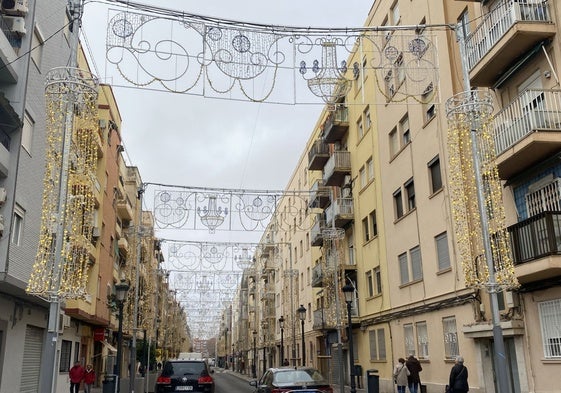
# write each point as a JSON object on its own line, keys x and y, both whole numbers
{"x": 299, "y": 376}
{"x": 183, "y": 368}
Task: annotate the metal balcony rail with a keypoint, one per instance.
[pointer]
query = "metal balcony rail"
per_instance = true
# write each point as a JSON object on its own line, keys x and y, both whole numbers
{"x": 340, "y": 207}
{"x": 497, "y": 23}
{"x": 531, "y": 110}
{"x": 339, "y": 159}
{"x": 5, "y": 140}
{"x": 318, "y": 147}
{"x": 340, "y": 115}
{"x": 536, "y": 237}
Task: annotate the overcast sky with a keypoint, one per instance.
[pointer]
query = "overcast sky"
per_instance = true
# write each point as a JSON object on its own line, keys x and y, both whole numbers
{"x": 203, "y": 142}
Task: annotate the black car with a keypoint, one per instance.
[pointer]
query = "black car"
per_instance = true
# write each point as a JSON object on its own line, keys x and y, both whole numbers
{"x": 185, "y": 376}
{"x": 284, "y": 379}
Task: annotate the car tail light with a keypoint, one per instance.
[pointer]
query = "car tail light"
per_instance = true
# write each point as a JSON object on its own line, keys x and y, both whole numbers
{"x": 205, "y": 379}
{"x": 163, "y": 380}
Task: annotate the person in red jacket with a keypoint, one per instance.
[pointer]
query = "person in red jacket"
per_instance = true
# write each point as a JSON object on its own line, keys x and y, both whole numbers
{"x": 76, "y": 375}
{"x": 89, "y": 378}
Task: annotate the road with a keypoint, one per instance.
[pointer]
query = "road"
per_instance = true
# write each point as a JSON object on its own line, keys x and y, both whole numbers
{"x": 229, "y": 383}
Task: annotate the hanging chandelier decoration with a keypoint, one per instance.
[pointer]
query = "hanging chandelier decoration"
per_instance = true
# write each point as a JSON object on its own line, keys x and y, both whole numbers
{"x": 169, "y": 50}
{"x": 465, "y": 111}
{"x": 71, "y": 98}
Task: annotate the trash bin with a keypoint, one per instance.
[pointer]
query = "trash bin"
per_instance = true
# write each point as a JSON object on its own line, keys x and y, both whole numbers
{"x": 373, "y": 381}
{"x": 110, "y": 383}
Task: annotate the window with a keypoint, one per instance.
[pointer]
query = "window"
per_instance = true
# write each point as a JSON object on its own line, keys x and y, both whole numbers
{"x": 365, "y": 229}
{"x": 403, "y": 268}
{"x": 422, "y": 340}
{"x": 550, "y": 320}
{"x": 404, "y": 129}
{"x": 377, "y": 341}
{"x": 65, "y": 353}
{"x": 416, "y": 264}
{"x": 369, "y": 283}
{"x": 428, "y": 105}
{"x": 394, "y": 143}
{"x": 367, "y": 119}
{"x": 389, "y": 84}
{"x": 395, "y": 13}
{"x": 410, "y": 191}
{"x": 373, "y": 223}
{"x": 435, "y": 175}
{"x": 17, "y": 225}
{"x": 399, "y": 70}
{"x": 37, "y": 42}
{"x": 27, "y": 132}
{"x": 377, "y": 280}
{"x": 409, "y": 339}
{"x": 451, "y": 349}
{"x": 360, "y": 129}
{"x": 398, "y": 204}
{"x": 362, "y": 174}
{"x": 370, "y": 169}
{"x": 442, "y": 252}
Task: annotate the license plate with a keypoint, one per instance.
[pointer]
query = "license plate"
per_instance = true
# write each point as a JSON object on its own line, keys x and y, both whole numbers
{"x": 185, "y": 388}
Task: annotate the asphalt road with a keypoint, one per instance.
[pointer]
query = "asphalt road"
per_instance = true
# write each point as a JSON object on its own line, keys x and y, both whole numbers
{"x": 228, "y": 383}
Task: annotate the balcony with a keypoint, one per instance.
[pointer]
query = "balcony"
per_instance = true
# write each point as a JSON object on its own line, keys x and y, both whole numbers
{"x": 340, "y": 212}
{"x": 8, "y": 41}
{"x": 316, "y": 231}
{"x": 123, "y": 246}
{"x": 320, "y": 195}
{"x": 336, "y": 125}
{"x": 4, "y": 154}
{"x": 536, "y": 247}
{"x": 527, "y": 131}
{"x": 317, "y": 276}
{"x": 322, "y": 320}
{"x": 124, "y": 208}
{"x": 318, "y": 155}
{"x": 338, "y": 166}
{"x": 506, "y": 33}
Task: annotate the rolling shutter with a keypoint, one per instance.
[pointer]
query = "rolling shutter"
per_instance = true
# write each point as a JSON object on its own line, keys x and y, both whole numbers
{"x": 32, "y": 351}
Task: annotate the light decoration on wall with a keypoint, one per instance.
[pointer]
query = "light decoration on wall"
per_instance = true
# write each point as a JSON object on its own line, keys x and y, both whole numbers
{"x": 465, "y": 111}
{"x": 71, "y": 96}
{"x": 162, "y": 49}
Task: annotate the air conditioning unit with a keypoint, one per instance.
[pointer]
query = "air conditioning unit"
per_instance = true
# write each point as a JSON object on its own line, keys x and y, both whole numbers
{"x": 15, "y": 24}
{"x": 15, "y": 7}
{"x": 3, "y": 195}
{"x": 65, "y": 321}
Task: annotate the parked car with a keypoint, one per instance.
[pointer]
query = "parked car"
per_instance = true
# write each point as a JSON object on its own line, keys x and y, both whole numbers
{"x": 185, "y": 375}
{"x": 284, "y": 379}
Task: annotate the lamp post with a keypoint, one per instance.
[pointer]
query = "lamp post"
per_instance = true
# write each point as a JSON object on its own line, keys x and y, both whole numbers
{"x": 281, "y": 325}
{"x": 348, "y": 290}
{"x": 253, "y": 368}
{"x": 302, "y": 314}
{"x": 121, "y": 292}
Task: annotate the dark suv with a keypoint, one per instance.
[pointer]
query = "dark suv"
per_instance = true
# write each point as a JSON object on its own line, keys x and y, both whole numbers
{"x": 185, "y": 376}
{"x": 292, "y": 379}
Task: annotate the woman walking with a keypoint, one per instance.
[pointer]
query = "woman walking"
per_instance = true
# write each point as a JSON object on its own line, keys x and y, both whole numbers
{"x": 400, "y": 374}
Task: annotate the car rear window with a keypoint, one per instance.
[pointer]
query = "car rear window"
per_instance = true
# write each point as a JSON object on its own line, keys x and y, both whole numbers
{"x": 291, "y": 376}
{"x": 183, "y": 368}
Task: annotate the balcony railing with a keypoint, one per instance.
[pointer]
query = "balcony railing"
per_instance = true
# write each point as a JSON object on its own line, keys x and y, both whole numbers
{"x": 338, "y": 166}
{"x": 336, "y": 125}
{"x": 316, "y": 231}
{"x": 319, "y": 195}
{"x": 498, "y": 22}
{"x": 318, "y": 155}
{"x": 341, "y": 211}
{"x": 532, "y": 110}
{"x": 537, "y": 237}
{"x": 322, "y": 321}
{"x": 317, "y": 276}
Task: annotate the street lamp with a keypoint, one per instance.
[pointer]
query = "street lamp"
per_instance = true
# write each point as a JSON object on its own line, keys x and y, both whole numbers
{"x": 120, "y": 292}
{"x": 281, "y": 325}
{"x": 348, "y": 290}
{"x": 302, "y": 313}
{"x": 253, "y": 368}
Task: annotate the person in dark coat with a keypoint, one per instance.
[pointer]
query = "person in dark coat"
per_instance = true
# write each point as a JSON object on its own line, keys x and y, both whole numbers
{"x": 413, "y": 380}
{"x": 458, "y": 382}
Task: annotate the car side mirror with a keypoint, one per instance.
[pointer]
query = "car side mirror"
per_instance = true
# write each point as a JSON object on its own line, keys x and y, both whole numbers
{"x": 253, "y": 382}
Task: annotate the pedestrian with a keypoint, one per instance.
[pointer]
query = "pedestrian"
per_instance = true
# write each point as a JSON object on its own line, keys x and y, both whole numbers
{"x": 458, "y": 382}
{"x": 89, "y": 378}
{"x": 285, "y": 363}
{"x": 76, "y": 375}
{"x": 400, "y": 374}
{"x": 414, "y": 367}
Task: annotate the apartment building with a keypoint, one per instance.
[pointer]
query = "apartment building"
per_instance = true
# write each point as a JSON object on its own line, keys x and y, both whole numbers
{"x": 381, "y": 209}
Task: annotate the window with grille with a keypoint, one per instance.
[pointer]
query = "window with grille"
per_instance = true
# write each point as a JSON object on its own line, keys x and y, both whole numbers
{"x": 442, "y": 251}
{"x": 546, "y": 197}
{"x": 409, "y": 339}
{"x": 451, "y": 348}
{"x": 550, "y": 320}
{"x": 422, "y": 340}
